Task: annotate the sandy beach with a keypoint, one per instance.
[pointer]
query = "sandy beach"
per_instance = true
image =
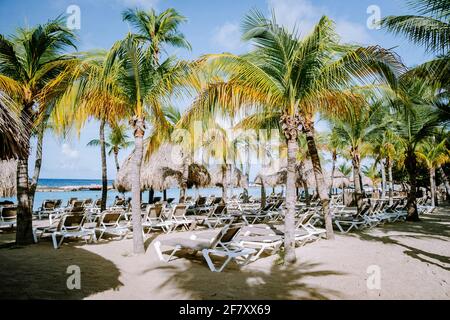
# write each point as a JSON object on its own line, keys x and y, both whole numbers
{"x": 413, "y": 260}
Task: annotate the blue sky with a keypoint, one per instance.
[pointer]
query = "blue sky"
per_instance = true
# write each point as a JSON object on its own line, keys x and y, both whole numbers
{"x": 213, "y": 26}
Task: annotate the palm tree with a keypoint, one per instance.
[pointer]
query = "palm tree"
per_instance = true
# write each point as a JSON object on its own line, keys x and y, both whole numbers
{"x": 372, "y": 172}
{"x": 386, "y": 150}
{"x": 95, "y": 94}
{"x": 428, "y": 29}
{"x": 345, "y": 169}
{"x": 296, "y": 77}
{"x": 12, "y": 133}
{"x": 416, "y": 121}
{"x": 355, "y": 128}
{"x": 157, "y": 30}
{"x": 117, "y": 140}
{"x": 33, "y": 71}
{"x": 433, "y": 156}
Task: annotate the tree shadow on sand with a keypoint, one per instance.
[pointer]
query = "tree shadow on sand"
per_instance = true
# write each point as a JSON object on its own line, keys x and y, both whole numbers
{"x": 40, "y": 272}
{"x": 434, "y": 226}
{"x": 278, "y": 283}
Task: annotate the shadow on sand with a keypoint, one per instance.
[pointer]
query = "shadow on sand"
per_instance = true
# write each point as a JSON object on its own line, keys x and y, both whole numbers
{"x": 278, "y": 283}
{"x": 434, "y": 226}
{"x": 40, "y": 272}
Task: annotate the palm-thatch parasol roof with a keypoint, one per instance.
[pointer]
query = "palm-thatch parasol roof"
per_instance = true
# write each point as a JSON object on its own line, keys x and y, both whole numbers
{"x": 237, "y": 180}
{"x": 163, "y": 170}
{"x": 8, "y": 169}
{"x": 13, "y": 135}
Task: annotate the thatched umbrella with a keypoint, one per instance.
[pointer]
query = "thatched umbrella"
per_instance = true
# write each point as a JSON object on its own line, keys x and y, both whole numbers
{"x": 8, "y": 171}
{"x": 237, "y": 180}
{"x": 162, "y": 171}
{"x": 13, "y": 134}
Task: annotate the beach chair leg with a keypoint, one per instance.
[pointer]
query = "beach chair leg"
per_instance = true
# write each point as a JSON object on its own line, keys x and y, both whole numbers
{"x": 157, "y": 246}
{"x": 35, "y": 236}
{"x": 211, "y": 265}
{"x": 54, "y": 240}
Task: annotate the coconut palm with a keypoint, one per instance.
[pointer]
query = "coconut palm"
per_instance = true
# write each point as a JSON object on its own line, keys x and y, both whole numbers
{"x": 345, "y": 169}
{"x": 373, "y": 173}
{"x": 356, "y": 128}
{"x": 95, "y": 94}
{"x": 296, "y": 77}
{"x": 157, "y": 29}
{"x": 433, "y": 155}
{"x": 416, "y": 121}
{"x": 12, "y": 133}
{"x": 33, "y": 70}
{"x": 386, "y": 151}
{"x": 117, "y": 140}
{"x": 334, "y": 145}
{"x": 429, "y": 28}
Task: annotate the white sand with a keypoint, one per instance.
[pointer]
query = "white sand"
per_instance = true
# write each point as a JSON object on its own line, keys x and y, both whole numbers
{"x": 413, "y": 258}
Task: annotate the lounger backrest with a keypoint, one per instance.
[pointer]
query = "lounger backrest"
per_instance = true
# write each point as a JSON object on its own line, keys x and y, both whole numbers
{"x": 87, "y": 202}
{"x": 201, "y": 201}
{"x": 110, "y": 218}
{"x": 219, "y": 209}
{"x": 9, "y": 213}
{"x": 226, "y": 235}
{"x": 268, "y": 207}
{"x": 48, "y": 205}
{"x": 98, "y": 203}
{"x": 71, "y": 222}
{"x": 182, "y": 200}
{"x": 306, "y": 219}
{"x": 77, "y": 210}
{"x": 218, "y": 200}
{"x": 179, "y": 211}
{"x": 119, "y": 202}
{"x": 58, "y": 203}
{"x": 71, "y": 201}
{"x": 170, "y": 200}
{"x": 156, "y": 199}
{"x": 77, "y": 204}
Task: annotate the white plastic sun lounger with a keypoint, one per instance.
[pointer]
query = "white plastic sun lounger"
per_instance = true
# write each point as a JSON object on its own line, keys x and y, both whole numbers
{"x": 223, "y": 244}
{"x": 109, "y": 224}
{"x": 70, "y": 226}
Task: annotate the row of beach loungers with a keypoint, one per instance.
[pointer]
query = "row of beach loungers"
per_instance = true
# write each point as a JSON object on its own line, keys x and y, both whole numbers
{"x": 237, "y": 231}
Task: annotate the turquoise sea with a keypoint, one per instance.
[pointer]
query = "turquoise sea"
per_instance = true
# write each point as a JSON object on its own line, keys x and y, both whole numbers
{"x": 65, "y": 196}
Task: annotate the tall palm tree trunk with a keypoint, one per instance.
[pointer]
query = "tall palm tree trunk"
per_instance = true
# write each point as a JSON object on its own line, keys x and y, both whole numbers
{"x": 308, "y": 130}
{"x": 333, "y": 170}
{"x": 263, "y": 195}
{"x": 446, "y": 182}
{"x": 104, "y": 168}
{"x": 247, "y": 170}
{"x": 391, "y": 182}
{"x": 37, "y": 165}
{"x": 433, "y": 186}
{"x": 383, "y": 178}
{"x": 356, "y": 162}
{"x": 24, "y": 230}
{"x": 225, "y": 183}
{"x": 116, "y": 158}
{"x": 411, "y": 168}
{"x": 289, "y": 219}
{"x": 138, "y": 238}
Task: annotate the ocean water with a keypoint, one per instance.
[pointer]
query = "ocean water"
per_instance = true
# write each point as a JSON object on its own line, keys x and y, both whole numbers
{"x": 65, "y": 196}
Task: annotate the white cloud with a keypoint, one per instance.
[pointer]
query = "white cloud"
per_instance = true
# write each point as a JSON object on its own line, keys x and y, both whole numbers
{"x": 304, "y": 15}
{"x": 228, "y": 37}
{"x": 146, "y": 4}
{"x": 353, "y": 32}
{"x": 68, "y": 152}
{"x": 301, "y": 14}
